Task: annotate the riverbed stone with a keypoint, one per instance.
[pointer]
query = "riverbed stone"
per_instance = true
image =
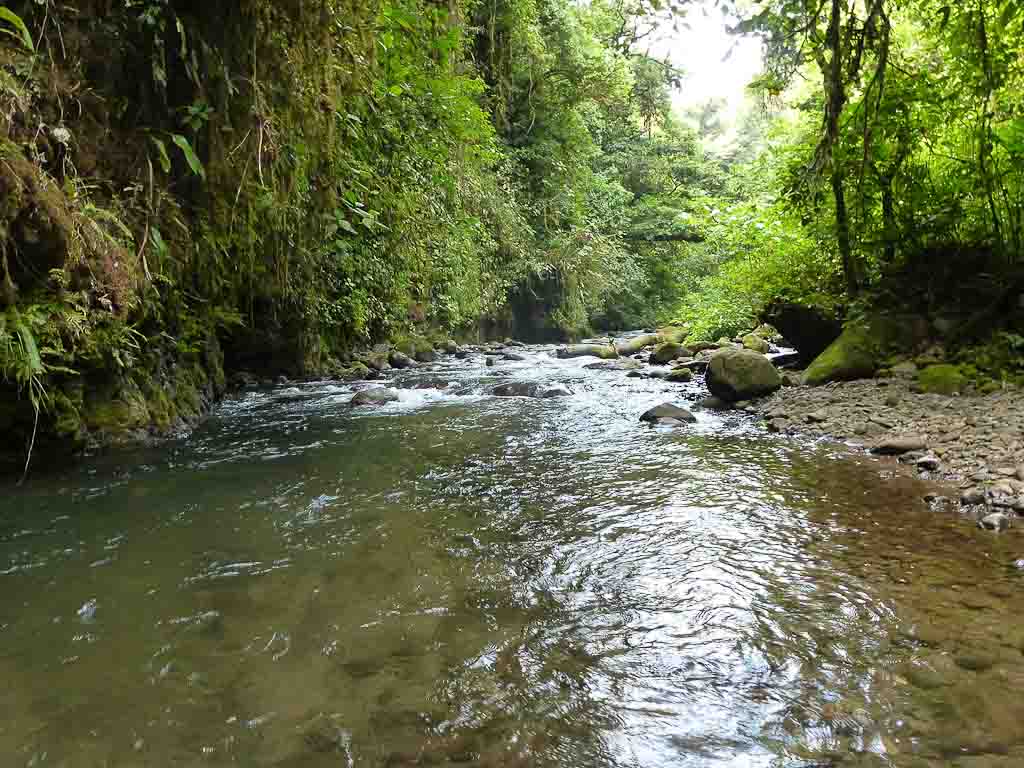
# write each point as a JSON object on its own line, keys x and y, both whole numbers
{"x": 667, "y": 352}
{"x": 374, "y": 396}
{"x": 755, "y": 343}
{"x": 894, "y": 446}
{"x": 426, "y": 355}
{"x": 400, "y": 360}
{"x": 680, "y": 375}
{"x": 972, "y": 497}
{"x": 741, "y": 374}
{"x": 517, "y": 389}
{"x": 997, "y": 521}
{"x": 603, "y": 351}
{"x": 667, "y": 411}
{"x": 556, "y": 391}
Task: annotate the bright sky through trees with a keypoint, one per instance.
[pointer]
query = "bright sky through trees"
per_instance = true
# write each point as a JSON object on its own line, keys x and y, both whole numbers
{"x": 702, "y": 49}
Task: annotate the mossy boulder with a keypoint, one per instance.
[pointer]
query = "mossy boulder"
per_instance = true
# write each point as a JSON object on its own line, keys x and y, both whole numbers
{"x": 740, "y": 374}
{"x": 637, "y": 343}
{"x": 680, "y": 376}
{"x": 863, "y": 346}
{"x": 755, "y": 343}
{"x": 667, "y": 352}
{"x": 854, "y": 355}
{"x": 674, "y": 333}
{"x": 942, "y": 380}
{"x": 603, "y": 351}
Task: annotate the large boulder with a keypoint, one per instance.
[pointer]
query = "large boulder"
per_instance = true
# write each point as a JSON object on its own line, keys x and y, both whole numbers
{"x": 809, "y": 329}
{"x": 854, "y": 355}
{"x": 863, "y": 345}
{"x": 741, "y": 374}
{"x": 604, "y": 351}
{"x": 667, "y": 352}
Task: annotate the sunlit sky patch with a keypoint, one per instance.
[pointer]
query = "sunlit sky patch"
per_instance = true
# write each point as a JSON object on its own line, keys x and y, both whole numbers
{"x": 701, "y": 47}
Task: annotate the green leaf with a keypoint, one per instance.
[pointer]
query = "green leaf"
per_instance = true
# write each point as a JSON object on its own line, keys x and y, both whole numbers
{"x": 164, "y": 158}
{"x": 6, "y": 14}
{"x": 190, "y": 154}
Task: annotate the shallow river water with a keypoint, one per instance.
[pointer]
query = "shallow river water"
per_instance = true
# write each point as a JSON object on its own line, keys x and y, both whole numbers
{"x": 460, "y": 579}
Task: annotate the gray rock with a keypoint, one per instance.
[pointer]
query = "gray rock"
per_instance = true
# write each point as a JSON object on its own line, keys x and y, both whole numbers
{"x": 518, "y": 389}
{"x": 741, "y": 374}
{"x": 513, "y": 357}
{"x": 755, "y": 343}
{"x": 557, "y": 391}
{"x": 697, "y": 366}
{"x": 426, "y": 355}
{"x": 374, "y": 396}
{"x": 894, "y": 446}
{"x": 489, "y": 362}
{"x": 928, "y": 463}
{"x": 667, "y": 411}
{"x": 817, "y": 417}
{"x": 1020, "y": 472}
{"x": 713, "y": 404}
{"x": 400, "y": 360}
{"x": 997, "y": 521}
{"x": 667, "y": 352}
{"x": 972, "y": 497}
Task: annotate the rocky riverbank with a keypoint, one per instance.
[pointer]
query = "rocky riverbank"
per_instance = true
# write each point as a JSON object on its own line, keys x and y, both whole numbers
{"x": 975, "y": 443}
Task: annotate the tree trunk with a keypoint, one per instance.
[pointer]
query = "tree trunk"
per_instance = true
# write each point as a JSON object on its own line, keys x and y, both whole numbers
{"x": 851, "y": 272}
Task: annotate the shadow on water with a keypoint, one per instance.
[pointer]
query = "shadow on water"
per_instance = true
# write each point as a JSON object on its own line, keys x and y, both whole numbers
{"x": 458, "y": 579}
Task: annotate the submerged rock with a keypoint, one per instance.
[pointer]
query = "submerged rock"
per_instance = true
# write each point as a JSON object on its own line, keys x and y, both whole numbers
{"x": 530, "y": 389}
{"x": 517, "y": 389}
{"x": 667, "y": 411}
{"x": 741, "y": 374}
{"x": 556, "y": 391}
{"x": 374, "y": 396}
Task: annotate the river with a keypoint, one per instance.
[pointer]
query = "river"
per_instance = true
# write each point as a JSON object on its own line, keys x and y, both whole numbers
{"x": 461, "y": 579}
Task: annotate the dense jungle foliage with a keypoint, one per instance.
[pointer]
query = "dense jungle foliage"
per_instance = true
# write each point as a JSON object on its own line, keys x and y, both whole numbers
{"x": 191, "y": 189}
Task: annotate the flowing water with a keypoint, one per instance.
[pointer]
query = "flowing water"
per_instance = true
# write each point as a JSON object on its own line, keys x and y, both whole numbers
{"x": 460, "y": 579}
